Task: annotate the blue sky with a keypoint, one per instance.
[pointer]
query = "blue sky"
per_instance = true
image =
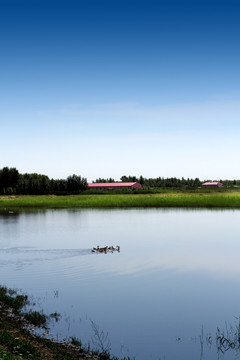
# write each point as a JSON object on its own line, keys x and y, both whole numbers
{"x": 111, "y": 88}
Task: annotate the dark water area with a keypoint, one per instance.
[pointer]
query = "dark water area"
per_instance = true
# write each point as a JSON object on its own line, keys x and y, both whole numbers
{"x": 175, "y": 282}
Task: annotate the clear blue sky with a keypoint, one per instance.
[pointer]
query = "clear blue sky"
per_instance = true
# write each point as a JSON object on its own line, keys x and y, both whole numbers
{"x": 109, "y": 88}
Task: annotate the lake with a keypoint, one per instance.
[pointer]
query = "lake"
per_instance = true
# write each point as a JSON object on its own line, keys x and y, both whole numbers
{"x": 174, "y": 283}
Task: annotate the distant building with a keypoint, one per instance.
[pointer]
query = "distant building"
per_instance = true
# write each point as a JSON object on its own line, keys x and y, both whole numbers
{"x": 114, "y": 186}
{"x": 211, "y": 184}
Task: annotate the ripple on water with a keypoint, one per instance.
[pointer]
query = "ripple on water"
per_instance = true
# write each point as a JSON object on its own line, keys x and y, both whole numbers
{"x": 52, "y": 261}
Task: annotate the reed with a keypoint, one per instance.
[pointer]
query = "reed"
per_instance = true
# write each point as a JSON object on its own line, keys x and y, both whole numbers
{"x": 229, "y": 199}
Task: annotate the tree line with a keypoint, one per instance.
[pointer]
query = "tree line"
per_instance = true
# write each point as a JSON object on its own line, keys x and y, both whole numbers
{"x": 12, "y": 182}
{"x": 173, "y": 182}
{"x": 159, "y": 182}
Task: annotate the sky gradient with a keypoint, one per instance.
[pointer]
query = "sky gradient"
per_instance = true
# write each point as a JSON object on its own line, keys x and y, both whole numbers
{"x": 112, "y": 88}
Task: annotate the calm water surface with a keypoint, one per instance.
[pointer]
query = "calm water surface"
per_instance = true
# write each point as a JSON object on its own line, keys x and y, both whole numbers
{"x": 175, "y": 281}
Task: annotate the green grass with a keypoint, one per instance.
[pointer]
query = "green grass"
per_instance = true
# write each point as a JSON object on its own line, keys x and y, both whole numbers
{"x": 212, "y": 199}
{"x": 5, "y": 355}
{"x": 36, "y": 318}
{"x": 18, "y": 347}
{"x": 11, "y": 299}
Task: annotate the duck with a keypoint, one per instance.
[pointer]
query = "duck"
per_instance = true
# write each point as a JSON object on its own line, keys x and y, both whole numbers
{"x": 95, "y": 249}
{"x": 116, "y": 248}
{"x": 106, "y": 249}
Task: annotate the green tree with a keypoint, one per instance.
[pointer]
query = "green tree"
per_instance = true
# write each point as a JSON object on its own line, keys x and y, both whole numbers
{"x": 76, "y": 183}
{"x": 8, "y": 179}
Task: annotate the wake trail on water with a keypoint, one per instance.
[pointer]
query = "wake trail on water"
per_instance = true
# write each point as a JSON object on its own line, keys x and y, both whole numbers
{"x": 26, "y": 254}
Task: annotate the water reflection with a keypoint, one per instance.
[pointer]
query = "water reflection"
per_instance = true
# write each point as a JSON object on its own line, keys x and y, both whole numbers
{"x": 177, "y": 269}
{"x": 150, "y": 240}
{"x": 223, "y": 342}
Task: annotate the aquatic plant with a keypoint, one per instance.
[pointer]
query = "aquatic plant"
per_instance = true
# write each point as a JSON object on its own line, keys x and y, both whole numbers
{"x": 100, "y": 339}
{"x": 13, "y": 300}
{"x": 225, "y": 339}
{"x": 36, "y": 318}
{"x": 56, "y": 316}
{"x": 228, "y": 338}
{"x": 76, "y": 342}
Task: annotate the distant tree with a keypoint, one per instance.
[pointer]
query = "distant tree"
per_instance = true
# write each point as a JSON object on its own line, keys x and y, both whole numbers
{"x": 100, "y": 180}
{"x": 141, "y": 180}
{"x": 110, "y": 180}
{"x": 129, "y": 178}
{"x": 124, "y": 178}
{"x": 76, "y": 183}
{"x": 197, "y": 182}
{"x": 8, "y": 180}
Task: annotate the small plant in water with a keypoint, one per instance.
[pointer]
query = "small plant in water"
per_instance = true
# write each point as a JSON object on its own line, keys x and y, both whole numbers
{"x": 226, "y": 339}
{"x": 56, "y": 316}
{"x": 229, "y": 338}
{"x": 100, "y": 339}
{"x": 11, "y": 299}
{"x": 36, "y": 318}
{"x": 75, "y": 341}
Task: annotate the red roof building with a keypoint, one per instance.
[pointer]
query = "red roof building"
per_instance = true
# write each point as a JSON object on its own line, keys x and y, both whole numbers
{"x": 212, "y": 184}
{"x": 114, "y": 186}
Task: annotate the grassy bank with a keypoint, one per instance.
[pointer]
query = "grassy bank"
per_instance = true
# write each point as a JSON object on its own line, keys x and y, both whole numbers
{"x": 213, "y": 199}
{"x": 18, "y": 341}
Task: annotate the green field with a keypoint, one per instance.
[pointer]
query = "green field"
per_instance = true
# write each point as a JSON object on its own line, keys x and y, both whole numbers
{"x": 213, "y": 199}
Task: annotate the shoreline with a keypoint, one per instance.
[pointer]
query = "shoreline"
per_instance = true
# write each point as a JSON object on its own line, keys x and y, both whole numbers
{"x": 19, "y": 338}
{"x": 213, "y": 199}
{"x": 18, "y": 341}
